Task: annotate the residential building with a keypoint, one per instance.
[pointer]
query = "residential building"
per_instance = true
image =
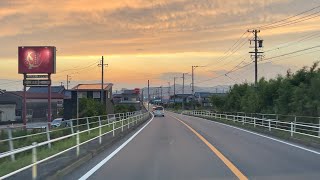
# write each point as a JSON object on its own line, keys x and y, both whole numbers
{"x": 128, "y": 97}
{"x": 11, "y": 104}
{"x": 203, "y": 98}
{"x": 179, "y": 98}
{"x": 92, "y": 91}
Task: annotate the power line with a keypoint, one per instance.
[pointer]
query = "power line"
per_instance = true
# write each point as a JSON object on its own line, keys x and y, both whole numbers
{"x": 240, "y": 43}
{"x": 285, "y": 19}
{"x": 294, "y": 42}
{"x": 294, "y": 52}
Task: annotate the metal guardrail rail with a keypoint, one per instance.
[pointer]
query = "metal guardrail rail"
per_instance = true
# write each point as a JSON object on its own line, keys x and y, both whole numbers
{"x": 293, "y": 127}
{"x": 113, "y": 121}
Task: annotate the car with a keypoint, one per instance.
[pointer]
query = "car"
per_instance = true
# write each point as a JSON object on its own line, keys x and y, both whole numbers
{"x": 158, "y": 111}
{"x": 59, "y": 122}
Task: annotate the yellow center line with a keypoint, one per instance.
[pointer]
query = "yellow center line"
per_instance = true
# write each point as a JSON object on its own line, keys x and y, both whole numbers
{"x": 228, "y": 163}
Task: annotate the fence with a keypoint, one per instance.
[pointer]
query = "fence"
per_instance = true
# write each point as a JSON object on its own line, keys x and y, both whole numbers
{"x": 76, "y": 133}
{"x": 264, "y": 121}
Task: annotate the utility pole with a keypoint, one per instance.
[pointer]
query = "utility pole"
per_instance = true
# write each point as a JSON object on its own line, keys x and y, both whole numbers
{"x": 68, "y": 81}
{"x": 102, "y": 84}
{"x": 142, "y": 98}
{"x": 174, "y": 90}
{"x": 148, "y": 94}
{"x": 257, "y": 44}
{"x": 192, "y": 87}
{"x": 169, "y": 88}
{"x": 161, "y": 93}
{"x": 183, "y": 89}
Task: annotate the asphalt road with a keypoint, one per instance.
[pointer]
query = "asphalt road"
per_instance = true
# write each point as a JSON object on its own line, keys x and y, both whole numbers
{"x": 168, "y": 149}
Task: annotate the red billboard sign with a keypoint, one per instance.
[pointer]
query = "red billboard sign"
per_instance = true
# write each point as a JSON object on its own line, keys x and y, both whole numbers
{"x": 36, "y": 59}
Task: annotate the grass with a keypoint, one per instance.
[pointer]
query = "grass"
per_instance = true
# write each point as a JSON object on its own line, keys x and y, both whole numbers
{"x": 23, "y": 159}
{"x": 274, "y": 132}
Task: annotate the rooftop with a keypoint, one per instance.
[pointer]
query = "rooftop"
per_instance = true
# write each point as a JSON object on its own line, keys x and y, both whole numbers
{"x": 31, "y": 95}
{"x": 54, "y": 89}
{"x": 96, "y": 86}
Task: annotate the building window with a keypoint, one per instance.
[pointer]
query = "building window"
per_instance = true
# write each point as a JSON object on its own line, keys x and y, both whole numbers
{"x": 82, "y": 95}
{"x": 96, "y": 95}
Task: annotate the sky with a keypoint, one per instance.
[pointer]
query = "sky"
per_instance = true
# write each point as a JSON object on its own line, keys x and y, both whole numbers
{"x": 157, "y": 40}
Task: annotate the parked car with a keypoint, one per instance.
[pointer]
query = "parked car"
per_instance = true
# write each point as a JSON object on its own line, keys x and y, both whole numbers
{"x": 158, "y": 111}
{"x": 59, "y": 122}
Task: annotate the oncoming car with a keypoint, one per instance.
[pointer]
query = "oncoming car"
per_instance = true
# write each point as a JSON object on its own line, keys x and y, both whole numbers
{"x": 158, "y": 111}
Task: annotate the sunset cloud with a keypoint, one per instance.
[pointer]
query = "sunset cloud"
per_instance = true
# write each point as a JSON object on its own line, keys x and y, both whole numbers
{"x": 162, "y": 35}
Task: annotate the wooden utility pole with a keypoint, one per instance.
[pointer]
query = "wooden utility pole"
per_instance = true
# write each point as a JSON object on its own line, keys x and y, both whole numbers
{"x": 148, "y": 94}
{"x": 183, "y": 89}
{"x": 102, "y": 83}
{"x": 257, "y": 44}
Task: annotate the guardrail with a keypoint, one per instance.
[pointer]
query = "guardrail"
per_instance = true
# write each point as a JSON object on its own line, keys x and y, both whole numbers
{"x": 96, "y": 129}
{"x": 293, "y": 127}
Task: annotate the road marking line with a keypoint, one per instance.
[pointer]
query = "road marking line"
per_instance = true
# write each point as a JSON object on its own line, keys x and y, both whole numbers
{"x": 274, "y": 139}
{"x": 228, "y": 163}
{"x": 105, "y": 160}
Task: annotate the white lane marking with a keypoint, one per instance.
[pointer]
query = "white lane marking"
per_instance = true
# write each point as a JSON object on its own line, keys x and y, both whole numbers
{"x": 105, "y": 160}
{"x": 274, "y": 139}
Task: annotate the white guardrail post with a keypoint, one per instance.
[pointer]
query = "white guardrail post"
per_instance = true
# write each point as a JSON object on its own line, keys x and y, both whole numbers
{"x": 34, "y": 160}
{"x": 254, "y": 121}
{"x": 291, "y": 129}
{"x": 77, "y": 123}
{"x": 319, "y": 128}
{"x": 295, "y": 123}
{"x": 78, "y": 142}
{"x": 122, "y": 122}
{"x": 88, "y": 125}
{"x": 108, "y": 120}
{"x": 100, "y": 139}
{"x": 128, "y": 121}
{"x": 48, "y": 135}
{"x": 11, "y": 143}
{"x": 269, "y": 123}
{"x": 71, "y": 126}
{"x": 113, "y": 122}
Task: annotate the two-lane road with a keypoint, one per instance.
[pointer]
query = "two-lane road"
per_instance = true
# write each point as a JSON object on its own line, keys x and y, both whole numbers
{"x": 183, "y": 147}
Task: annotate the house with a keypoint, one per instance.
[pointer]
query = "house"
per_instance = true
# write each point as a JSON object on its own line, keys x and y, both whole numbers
{"x": 11, "y": 104}
{"x": 203, "y": 98}
{"x": 44, "y": 89}
{"x": 92, "y": 91}
{"x": 179, "y": 98}
{"x": 128, "y": 97}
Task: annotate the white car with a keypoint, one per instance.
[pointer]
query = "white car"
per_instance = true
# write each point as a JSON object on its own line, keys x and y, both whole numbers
{"x": 59, "y": 122}
{"x": 158, "y": 111}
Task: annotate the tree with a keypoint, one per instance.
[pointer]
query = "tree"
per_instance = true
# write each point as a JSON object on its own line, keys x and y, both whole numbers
{"x": 217, "y": 102}
{"x": 296, "y": 93}
{"x": 90, "y": 107}
{"x": 123, "y": 108}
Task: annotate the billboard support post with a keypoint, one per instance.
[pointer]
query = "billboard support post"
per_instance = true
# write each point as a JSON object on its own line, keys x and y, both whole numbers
{"x": 49, "y": 101}
{"x": 24, "y": 109}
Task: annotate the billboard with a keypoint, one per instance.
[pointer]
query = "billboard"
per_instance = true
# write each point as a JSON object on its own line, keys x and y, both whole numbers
{"x": 36, "y": 59}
